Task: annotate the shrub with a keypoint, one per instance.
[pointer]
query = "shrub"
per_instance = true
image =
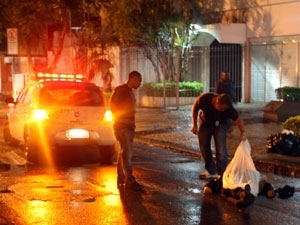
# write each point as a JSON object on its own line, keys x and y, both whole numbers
{"x": 293, "y": 124}
{"x": 290, "y": 94}
{"x": 186, "y": 89}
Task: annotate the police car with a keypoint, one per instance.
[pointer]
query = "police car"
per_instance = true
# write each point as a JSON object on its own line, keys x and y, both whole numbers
{"x": 58, "y": 111}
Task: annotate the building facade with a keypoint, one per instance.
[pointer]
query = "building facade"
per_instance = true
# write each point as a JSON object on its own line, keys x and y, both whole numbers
{"x": 262, "y": 54}
{"x": 273, "y": 46}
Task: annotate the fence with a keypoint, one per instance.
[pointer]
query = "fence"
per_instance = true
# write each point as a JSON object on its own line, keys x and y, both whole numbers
{"x": 157, "y": 99}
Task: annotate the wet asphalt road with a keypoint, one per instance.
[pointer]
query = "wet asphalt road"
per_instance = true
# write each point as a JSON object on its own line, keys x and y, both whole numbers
{"x": 87, "y": 194}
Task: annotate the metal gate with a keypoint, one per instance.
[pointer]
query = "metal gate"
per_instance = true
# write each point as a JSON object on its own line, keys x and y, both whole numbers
{"x": 226, "y": 57}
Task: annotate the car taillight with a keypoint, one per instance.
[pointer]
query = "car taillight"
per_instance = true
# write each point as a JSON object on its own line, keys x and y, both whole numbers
{"x": 39, "y": 114}
{"x": 108, "y": 116}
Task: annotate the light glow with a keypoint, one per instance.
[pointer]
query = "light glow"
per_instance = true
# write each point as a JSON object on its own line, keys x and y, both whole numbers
{"x": 59, "y": 77}
{"x": 40, "y": 114}
{"x": 77, "y": 133}
{"x": 108, "y": 116}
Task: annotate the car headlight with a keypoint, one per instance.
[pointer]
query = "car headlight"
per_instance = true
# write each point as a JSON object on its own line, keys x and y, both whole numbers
{"x": 39, "y": 115}
{"x": 108, "y": 116}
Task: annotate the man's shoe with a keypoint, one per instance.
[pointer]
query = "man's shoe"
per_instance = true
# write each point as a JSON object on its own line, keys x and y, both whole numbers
{"x": 120, "y": 183}
{"x": 207, "y": 175}
{"x": 135, "y": 186}
{"x": 214, "y": 186}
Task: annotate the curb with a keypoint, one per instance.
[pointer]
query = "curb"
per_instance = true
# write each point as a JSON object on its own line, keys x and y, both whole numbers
{"x": 277, "y": 168}
{"x": 262, "y": 166}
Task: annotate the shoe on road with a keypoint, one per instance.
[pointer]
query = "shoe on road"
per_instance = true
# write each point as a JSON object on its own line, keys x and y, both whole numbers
{"x": 135, "y": 186}
{"x": 207, "y": 175}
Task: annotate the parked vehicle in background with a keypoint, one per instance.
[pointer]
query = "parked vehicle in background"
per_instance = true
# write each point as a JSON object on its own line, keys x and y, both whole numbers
{"x": 58, "y": 111}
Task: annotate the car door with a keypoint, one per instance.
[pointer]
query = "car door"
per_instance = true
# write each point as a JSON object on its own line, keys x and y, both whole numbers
{"x": 21, "y": 113}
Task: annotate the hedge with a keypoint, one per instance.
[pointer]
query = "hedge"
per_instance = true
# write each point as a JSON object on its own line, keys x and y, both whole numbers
{"x": 289, "y": 94}
{"x": 186, "y": 89}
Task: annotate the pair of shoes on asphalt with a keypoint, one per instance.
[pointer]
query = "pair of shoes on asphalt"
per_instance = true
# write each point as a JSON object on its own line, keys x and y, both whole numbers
{"x": 207, "y": 175}
{"x": 247, "y": 198}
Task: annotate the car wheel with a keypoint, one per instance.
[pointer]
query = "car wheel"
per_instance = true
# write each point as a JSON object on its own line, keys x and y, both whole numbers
{"x": 9, "y": 140}
{"x": 107, "y": 154}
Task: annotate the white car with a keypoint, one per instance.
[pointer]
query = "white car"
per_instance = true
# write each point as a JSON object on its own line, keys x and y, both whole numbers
{"x": 60, "y": 111}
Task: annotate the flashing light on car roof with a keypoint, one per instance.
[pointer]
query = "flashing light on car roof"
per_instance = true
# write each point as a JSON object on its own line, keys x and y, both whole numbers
{"x": 59, "y": 77}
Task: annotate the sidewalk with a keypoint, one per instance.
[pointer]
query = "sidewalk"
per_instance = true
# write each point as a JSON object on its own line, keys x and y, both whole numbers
{"x": 170, "y": 128}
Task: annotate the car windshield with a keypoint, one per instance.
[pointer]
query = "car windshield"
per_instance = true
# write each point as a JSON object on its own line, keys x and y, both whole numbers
{"x": 71, "y": 94}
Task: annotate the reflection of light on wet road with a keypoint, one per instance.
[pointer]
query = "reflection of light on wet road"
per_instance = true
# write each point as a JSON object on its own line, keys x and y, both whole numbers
{"x": 107, "y": 178}
{"x": 39, "y": 210}
{"x": 195, "y": 190}
{"x": 43, "y": 140}
{"x": 108, "y": 207}
{"x": 77, "y": 175}
{"x": 78, "y": 195}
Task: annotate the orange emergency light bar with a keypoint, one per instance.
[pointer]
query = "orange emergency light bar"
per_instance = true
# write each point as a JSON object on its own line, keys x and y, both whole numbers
{"x": 59, "y": 77}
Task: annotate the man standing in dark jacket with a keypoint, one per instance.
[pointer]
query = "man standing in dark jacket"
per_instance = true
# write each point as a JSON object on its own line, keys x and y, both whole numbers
{"x": 123, "y": 107}
{"x": 225, "y": 86}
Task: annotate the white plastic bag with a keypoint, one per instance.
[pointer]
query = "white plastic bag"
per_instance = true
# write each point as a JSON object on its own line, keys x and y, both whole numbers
{"x": 241, "y": 170}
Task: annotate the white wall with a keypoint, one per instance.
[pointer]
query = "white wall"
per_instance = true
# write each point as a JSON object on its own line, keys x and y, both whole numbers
{"x": 275, "y": 18}
{"x": 274, "y": 41}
